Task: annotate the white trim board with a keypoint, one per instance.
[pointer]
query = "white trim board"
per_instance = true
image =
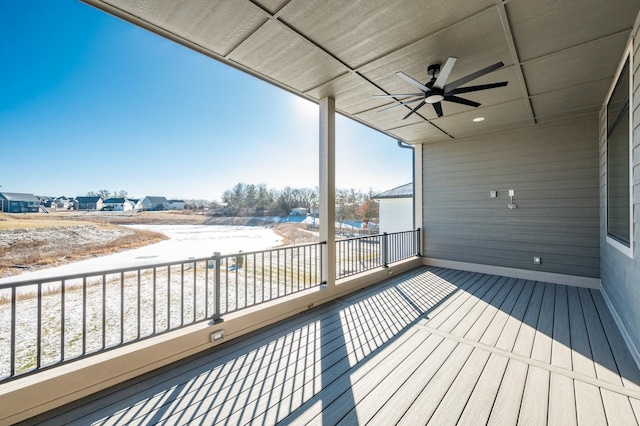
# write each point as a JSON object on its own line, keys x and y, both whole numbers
{"x": 526, "y": 274}
{"x": 633, "y": 349}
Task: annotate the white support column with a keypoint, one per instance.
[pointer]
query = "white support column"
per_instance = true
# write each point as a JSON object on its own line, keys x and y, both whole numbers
{"x": 328, "y": 189}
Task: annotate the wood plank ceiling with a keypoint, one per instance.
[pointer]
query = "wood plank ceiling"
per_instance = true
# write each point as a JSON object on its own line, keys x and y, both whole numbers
{"x": 560, "y": 56}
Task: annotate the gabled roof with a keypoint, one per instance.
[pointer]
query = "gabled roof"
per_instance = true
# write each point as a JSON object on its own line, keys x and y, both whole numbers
{"x": 88, "y": 199}
{"x": 114, "y": 201}
{"x": 404, "y": 191}
{"x": 17, "y": 196}
{"x": 156, "y": 200}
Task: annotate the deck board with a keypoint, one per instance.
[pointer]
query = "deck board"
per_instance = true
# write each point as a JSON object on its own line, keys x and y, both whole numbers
{"x": 507, "y": 404}
{"x": 432, "y": 346}
{"x": 478, "y": 407}
{"x": 535, "y": 398}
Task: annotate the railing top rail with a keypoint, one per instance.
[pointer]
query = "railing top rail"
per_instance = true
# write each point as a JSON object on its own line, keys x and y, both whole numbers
{"x": 363, "y": 237}
{"x": 79, "y": 275}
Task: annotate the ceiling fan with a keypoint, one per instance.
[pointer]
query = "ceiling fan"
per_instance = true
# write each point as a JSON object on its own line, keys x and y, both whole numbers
{"x": 437, "y": 90}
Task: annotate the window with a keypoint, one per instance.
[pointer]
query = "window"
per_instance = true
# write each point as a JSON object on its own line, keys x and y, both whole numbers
{"x": 619, "y": 217}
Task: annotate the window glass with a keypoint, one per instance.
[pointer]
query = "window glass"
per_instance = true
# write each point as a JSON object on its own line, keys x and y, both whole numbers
{"x": 618, "y": 191}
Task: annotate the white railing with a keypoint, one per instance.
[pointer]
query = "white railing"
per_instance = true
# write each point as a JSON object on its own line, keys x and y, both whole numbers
{"x": 49, "y": 321}
{"x": 360, "y": 254}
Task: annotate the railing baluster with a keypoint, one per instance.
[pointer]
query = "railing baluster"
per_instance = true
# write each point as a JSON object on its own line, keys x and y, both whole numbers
{"x": 181, "y": 293}
{"x": 139, "y": 305}
{"x": 84, "y": 315}
{"x": 226, "y": 282}
{"x": 216, "y": 287}
{"x": 122, "y": 307}
{"x": 154, "y": 301}
{"x": 62, "y": 318}
{"x": 194, "y": 294}
{"x": 14, "y": 301}
{"x": 168, "y": 297}
{"x": 104, "y": 311}
{"x": 206, "y": 288}
{"x": 262, "y": 277}
{"x": 39, "y": 331}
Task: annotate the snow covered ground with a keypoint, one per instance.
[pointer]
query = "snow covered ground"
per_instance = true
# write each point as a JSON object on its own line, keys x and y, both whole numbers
{"x": 184, "y": 241}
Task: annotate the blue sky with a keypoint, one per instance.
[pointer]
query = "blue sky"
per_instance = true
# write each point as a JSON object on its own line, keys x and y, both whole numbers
{"x": 89, "y": 102}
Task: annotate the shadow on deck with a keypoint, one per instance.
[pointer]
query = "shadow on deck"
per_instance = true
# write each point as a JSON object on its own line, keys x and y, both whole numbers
{"x": 432, "y": 345}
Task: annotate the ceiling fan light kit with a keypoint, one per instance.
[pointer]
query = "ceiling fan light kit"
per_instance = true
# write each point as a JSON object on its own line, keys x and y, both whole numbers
{"x": 437, "y": 90}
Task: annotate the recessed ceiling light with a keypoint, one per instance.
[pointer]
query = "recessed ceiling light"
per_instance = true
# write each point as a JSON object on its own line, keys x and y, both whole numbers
{"x": 478, "y": 119}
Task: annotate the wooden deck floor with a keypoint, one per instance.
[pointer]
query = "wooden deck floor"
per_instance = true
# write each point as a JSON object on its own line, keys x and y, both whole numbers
{"x": 433, "y": 346}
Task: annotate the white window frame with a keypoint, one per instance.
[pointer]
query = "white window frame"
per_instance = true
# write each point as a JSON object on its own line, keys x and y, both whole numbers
{"x": 628, "y": 251}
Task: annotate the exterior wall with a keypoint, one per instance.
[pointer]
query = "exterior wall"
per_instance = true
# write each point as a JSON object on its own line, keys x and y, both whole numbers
{"x": 553, "y": 169}
{"x": 91, "y": 206}
{"x": 396, "y": 214}
{"x": 9, "y": 206}
{"x": 116, "y": 207}
{"x": 621, "y": 273}
{"x": 148, "y": 205}
{"x": 176, "y": 206}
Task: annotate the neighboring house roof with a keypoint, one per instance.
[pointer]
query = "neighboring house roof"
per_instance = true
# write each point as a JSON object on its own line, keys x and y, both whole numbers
{"x": 88, "y": 199}
{"x": 17, "y": 196}
{"x": 176, "y": 201}
{"x": 134, "y": 200}
{"x": 404, "y": 191}
{"x": 156, "y": 200}
{"x": 114, "y": 201}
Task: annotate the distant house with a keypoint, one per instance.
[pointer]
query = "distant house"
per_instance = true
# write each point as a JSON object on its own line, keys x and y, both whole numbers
{"x": 216, "y": 209}
{"x": 13, "y": 202}
{"x": 155, "y": 203}
{"x": 396, "y": 208}
{"x": 88, "y": 203}
{"x": 176, "y": 204}
{"x": 298, "y": 211}
{"x": 45, "y": 201}
{"x": 62, "y": 203}
{"x": 136, "y": 203}
{"x": 116, "y": 205}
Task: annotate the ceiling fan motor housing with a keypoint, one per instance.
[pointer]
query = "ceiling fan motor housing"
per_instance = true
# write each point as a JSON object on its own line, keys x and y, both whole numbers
{"x": 433, "y": 70}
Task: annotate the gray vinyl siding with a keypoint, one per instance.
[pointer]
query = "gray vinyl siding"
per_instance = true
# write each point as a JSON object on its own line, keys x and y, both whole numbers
{"x": 553, "y": 169}
{"x": 620, "y": 273}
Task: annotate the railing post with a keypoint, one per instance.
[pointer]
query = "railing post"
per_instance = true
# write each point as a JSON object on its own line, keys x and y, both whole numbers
{"x": 418, "y": 243}
{"x": 216, "y": 319}
{"x": 385, "y": 250}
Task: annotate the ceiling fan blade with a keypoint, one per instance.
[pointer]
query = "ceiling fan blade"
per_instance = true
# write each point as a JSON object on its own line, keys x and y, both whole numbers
{"x": 461, "y": 101}
{"x": 449, "y": 87}
{"x": 413, "y": 82}
{"x": 397, "y": 95}
{"x": 476, "y": 88}
{"x": 415, "y": 109}
{"x": 399, "y": 104}
{"x": 444, "y": 72}
{"x": 438, "y": 108}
